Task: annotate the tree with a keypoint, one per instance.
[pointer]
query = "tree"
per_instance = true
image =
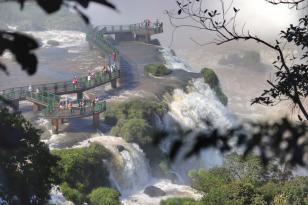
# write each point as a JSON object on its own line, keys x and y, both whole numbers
{"x": 236, "y": 183}
{"x": 82, "y": 170}
{"x": 26, "y": 173}
{"x": 281, "y": 140}
{"x": 104, "y": 196}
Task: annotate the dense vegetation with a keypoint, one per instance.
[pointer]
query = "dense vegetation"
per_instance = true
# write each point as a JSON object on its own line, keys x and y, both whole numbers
{"x": 244, "y": 182}
{"x": 156, "y": 69}
{"x": 25, "y": 162}
{"x": 212, "y": 80}
{"x": 104, "y": 196}
{"x": 81, "y": 171}
{"x": 135, "y": 121}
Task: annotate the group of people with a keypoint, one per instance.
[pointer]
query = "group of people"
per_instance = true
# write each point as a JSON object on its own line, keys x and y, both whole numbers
{"x": 147, "y": 24}
{"x": 80, "y": 104}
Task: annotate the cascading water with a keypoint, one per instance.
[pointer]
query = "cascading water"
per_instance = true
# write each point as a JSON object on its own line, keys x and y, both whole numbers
{"x": 191, "y": 110}
{"x": 129, "y": 169}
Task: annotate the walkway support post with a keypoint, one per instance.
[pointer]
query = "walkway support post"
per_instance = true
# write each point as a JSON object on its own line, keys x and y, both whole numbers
{"x": 114, "y": 83}
{"x": 55, "y": 126}
{"x": 16, "y": 104}
{"x": 79, "y": 95}
{"x": 96, "y": 120}
{"x": 37, "y": 107}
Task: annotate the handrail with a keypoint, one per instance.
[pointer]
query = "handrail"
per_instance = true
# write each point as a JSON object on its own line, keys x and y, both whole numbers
{"x": 46, "y": 94}
{"x": 75, "y": 111}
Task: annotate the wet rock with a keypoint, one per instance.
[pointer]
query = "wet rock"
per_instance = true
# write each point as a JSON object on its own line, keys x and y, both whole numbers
{"x": 120, "y": 148}
{"x": 53, "y": 43}
{"x": 154, "y": 191}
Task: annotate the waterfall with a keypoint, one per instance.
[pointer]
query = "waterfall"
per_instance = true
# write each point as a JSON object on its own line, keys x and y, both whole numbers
{"x": 190, "y": 110}
{"x": 129, "y": 169}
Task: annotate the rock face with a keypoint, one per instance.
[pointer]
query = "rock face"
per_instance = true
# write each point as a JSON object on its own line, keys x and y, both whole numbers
{"x": 120, "y": 148}
{"x": 154, "y": 191}
{"x": 53, "y": 43}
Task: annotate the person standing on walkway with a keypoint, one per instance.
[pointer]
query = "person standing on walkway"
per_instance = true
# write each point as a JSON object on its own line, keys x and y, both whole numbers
{"x": 89, "y": 78}
{"x": 74, "y": 82}
{"x": 70, "y": 107}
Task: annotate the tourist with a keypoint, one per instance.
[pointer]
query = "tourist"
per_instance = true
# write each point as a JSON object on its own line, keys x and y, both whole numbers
{"x": 93, "y": 75}
{"x": 114, "y": 57}
{"x": 89, "y": 78}
{"x": 61, "y": 106}
{"x": 74, "y": 82}
{"x": 70, "y": 107}
{"x": 82, "y": 105}
{"x": 93, "y": 103}
{"x": 30, "y": 88}
{"x": 37, "y": 91}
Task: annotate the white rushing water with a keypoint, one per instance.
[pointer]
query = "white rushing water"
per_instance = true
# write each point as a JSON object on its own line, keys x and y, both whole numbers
{"x": 174, "y": 62}
{"x": 129, "y": 169}
{"x": 130, "y": 173}
{"x": 191, "y": 110}
{"x": 66, "y": 39}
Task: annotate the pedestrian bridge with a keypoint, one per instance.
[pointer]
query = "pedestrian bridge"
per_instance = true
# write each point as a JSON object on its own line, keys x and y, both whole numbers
{"x": 139, "y": 31}
{"x": 46, "y": 97}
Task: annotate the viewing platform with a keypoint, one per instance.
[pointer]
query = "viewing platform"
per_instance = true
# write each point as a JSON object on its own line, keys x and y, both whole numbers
{"x": 139, "y": 32}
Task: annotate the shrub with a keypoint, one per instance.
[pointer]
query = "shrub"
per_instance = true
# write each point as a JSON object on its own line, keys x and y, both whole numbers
{"x": 82, "y": 169}
{"x": 179, "y": 201}
{"x": 104, "y": 196}
{"x": 72, "y": 194}
{"x": 134, "y": 130}
{"x": 212, "y": 80}
{"x": 157, "y": 69}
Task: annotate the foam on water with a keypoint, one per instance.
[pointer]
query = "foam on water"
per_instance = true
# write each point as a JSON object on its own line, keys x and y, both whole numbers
{"x": 129, "y": 169}
{"x": 66, "y": 39}
{"x": 57, "y": 198}
{"x": 173, "y": 62}
{"x": 171, "y": 190}
{"x": 193, "y": 108}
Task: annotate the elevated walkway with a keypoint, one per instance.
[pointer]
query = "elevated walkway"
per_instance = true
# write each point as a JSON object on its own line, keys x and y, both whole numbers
{"x": 140, "y": 31}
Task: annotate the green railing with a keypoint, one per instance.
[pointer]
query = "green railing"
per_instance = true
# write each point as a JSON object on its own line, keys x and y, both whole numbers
{"x": 43, "y": 98}
{"x": 98, "y": 39}
{"x": 47, "y": 93}
{"x": 75, "y": 111}
{"x": 65, "y": 87}
{"x": 156, "y": 27}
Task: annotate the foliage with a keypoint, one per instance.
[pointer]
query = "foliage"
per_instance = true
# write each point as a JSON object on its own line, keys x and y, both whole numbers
{"x": 134, "y": 121}
{"x": 134, "y": 130}
{"x": 179, "y": 201}
{"x": 211, "y": 78}
{"x": 135, "y": 109}
{"x": 72, "y": 194}
{"x": 26, "y": 162}
{"x": 104, "y": 196}
{"x": 157, "y": 69}
{"x": 236, "y": 183}
{"x": 81, "y": 170}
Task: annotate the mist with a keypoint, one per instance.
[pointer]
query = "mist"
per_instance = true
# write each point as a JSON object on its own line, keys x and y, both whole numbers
{"x": 260, "y": 17}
